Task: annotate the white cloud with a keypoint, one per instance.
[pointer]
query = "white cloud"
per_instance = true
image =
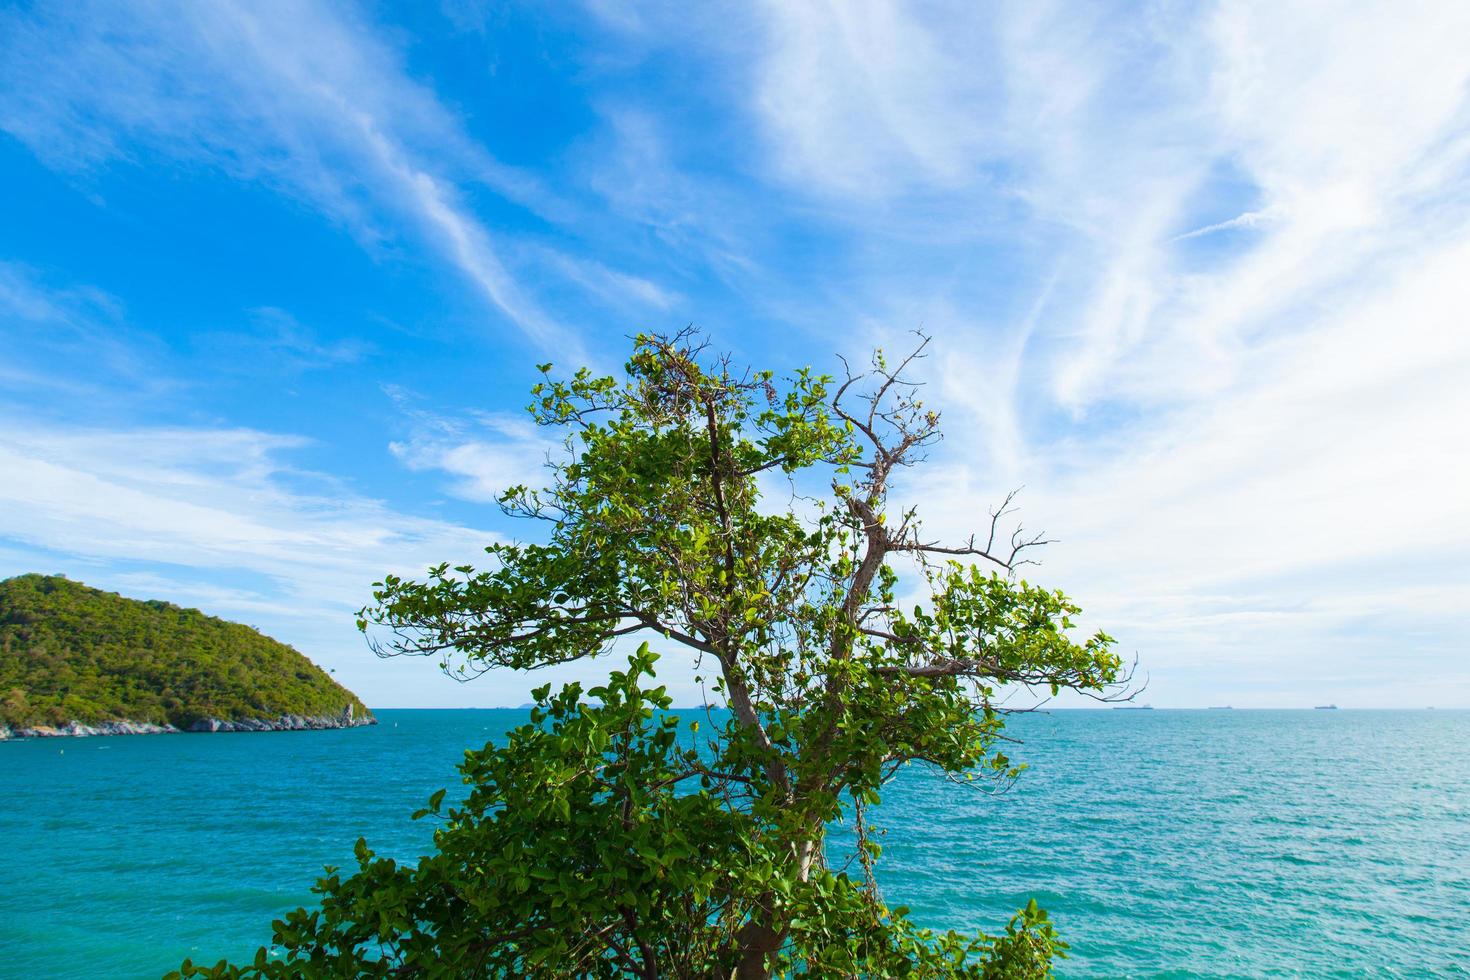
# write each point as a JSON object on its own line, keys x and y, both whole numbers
{"x": 211, "y": 499}
{"x": 1337, "y": 444}
{"x": 484, "y": 457}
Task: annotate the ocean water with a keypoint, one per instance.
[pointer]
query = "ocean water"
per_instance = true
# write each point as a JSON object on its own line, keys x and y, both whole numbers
{"x": 1165, "y": 843}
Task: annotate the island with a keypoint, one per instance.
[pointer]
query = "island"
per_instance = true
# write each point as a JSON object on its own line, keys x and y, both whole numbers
{"x": 80, "y": 661}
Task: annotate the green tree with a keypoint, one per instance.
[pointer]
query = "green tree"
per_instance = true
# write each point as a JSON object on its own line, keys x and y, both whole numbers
{"x": 605, "y": 840}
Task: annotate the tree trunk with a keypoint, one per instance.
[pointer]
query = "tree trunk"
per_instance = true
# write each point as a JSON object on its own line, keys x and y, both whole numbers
{"x": 756, "y": 941}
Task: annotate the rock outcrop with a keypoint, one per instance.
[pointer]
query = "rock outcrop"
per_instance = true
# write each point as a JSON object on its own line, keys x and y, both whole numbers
{"x": 76, "y": 728}
{"x": 348, "y": 718}
{"x": 285, "y": 723}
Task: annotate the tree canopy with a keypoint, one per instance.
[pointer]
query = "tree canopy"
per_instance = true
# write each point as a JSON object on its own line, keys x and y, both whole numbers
{"x": 72, "y": 653}
{"x": 603, "y": 839}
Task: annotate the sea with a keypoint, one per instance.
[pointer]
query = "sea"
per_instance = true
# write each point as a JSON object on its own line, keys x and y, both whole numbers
{"x": 1164, "y": 843}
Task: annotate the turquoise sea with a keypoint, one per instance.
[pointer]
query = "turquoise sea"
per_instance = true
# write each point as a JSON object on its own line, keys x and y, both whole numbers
{"x": 1165, "y": 843}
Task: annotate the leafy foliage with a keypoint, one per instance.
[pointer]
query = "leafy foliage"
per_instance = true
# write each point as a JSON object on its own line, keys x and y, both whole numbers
{"x": 73, "y": 653}
{"x": 601, "y": 841}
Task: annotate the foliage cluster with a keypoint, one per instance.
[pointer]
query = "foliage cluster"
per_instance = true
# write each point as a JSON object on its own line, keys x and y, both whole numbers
{"x": 73, "y": 653}
{"x": 593, "y": 843}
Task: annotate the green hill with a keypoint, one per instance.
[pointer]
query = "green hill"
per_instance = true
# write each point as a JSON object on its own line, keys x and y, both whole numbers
{"x": 72, "y": 653}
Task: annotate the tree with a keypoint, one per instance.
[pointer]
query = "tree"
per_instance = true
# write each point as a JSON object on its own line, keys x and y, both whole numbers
{"x": 604, "y": 839}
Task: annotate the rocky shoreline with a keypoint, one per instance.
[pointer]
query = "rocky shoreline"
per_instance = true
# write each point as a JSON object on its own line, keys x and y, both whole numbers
{"x": 285, "y": 723}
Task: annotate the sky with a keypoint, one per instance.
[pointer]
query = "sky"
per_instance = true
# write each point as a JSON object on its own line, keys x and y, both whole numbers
{"x": 274, "y": 279}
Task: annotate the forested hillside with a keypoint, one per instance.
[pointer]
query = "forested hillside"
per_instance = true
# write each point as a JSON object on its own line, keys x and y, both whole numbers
{"x": 73, "y": 653}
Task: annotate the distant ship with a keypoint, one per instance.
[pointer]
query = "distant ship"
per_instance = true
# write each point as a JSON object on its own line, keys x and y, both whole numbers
{"x": 1222, "y": 707}
{"x": 1133, "y": 707}
{"x": 1326, "y": 707}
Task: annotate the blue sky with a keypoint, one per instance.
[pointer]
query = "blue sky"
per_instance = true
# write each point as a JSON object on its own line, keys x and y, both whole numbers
{"x": 274, "y": 277}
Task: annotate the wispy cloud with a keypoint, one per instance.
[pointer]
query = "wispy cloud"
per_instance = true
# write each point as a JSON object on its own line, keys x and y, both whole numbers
{"x": 1250, "y": 219}
{"x": 72, "y": 340}
{"x": 483, "y": 454}
{"x": 305, "y": 97}
{"x": 865, "y": 98}
{"x": 281, "y": 344}
{"x": 207, "y": 498}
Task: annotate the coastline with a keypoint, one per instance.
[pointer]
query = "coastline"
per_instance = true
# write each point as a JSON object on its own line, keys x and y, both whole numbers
{"x": 348, "y": 718}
